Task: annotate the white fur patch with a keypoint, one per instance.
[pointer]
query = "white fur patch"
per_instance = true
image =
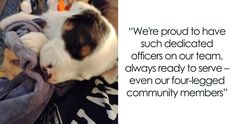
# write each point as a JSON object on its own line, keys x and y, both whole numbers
{"x": 102, "y": 59}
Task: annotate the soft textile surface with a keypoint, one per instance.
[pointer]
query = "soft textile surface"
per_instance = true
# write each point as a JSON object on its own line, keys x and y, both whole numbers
{"x": 82, "y": 102}
{"x": 24, "y": 98}
{"x": 9, "y": 7}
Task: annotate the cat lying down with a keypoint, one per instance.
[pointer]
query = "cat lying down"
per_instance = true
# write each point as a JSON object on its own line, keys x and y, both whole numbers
{"x": 81, "y": 44}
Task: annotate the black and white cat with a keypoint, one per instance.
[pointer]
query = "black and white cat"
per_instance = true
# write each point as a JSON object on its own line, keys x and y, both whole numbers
{"x": 82, "y": 44}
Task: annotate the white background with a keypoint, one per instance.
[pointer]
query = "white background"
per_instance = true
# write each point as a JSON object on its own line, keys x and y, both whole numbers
{"x": 177, "y": 14}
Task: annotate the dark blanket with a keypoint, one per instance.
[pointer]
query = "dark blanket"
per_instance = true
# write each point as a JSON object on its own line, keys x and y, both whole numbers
{"x": 86, "y": 102}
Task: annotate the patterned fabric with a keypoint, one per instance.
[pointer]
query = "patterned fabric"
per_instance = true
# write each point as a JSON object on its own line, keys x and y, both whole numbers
{"x": 87, "y": 102}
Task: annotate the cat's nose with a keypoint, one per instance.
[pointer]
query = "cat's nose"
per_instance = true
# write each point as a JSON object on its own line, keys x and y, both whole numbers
{"x": 46, "y": 74}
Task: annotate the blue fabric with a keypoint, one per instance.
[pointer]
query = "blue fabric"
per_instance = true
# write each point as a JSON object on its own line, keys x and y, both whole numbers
{"x": 11, "y": 7}
{"x": 23, "y": 99}
{"x": 3, "y": 82}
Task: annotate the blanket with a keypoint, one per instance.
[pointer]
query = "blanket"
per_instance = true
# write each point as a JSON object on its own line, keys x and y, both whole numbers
{"x": 24, "y": 98}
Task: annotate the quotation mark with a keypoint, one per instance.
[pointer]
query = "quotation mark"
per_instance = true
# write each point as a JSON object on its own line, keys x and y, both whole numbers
{"x": 225, "y": 89}
{"x": 131, "y": 28}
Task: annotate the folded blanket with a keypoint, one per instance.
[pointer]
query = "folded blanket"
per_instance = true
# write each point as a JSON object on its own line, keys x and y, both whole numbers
{"x": 7, "y": 8}
{"x": 23, "y": 99}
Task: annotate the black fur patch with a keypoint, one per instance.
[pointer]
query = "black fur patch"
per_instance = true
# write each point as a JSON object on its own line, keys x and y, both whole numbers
{"x": 40, "y": 22}
{"x": 88, "y": 29}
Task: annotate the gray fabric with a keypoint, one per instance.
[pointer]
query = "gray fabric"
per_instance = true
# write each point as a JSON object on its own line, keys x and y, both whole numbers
{"x": 7, "y": 8}
{"x": 23, "y": 99}
{"x": 2, "y": 47}
{"x": 25, "y": 55}
{"x": 23, "y": 27}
